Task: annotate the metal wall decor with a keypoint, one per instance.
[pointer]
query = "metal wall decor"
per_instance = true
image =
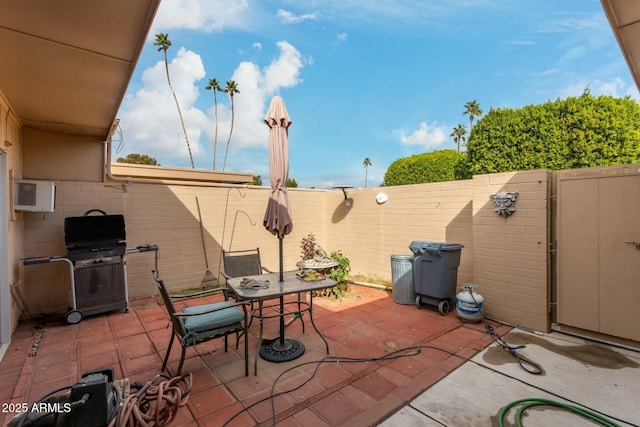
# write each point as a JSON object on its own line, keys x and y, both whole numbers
{"x": 505, "y": 203}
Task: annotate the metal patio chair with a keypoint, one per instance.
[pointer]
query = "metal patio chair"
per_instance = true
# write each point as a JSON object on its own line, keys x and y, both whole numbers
{"x": 199, "y": 323}
{"x": 247, "y": 262}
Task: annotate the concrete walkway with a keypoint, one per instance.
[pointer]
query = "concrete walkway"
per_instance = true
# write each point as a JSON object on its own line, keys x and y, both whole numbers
{"x": 579, "y": 373}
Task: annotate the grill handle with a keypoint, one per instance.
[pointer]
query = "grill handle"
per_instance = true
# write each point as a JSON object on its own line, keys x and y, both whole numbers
{"x": 36, "y": 260}
{"x": 94, "y": 210}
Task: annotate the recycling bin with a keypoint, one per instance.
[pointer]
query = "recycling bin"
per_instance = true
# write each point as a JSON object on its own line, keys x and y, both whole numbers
{"x": 435, "y": 273}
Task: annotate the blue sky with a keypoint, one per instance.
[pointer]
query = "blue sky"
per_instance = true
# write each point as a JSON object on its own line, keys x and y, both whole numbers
{"x": 378, "y": 79}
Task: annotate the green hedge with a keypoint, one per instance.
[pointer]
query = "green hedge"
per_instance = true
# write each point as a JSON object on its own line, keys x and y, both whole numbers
{"x": 436, "y": 166}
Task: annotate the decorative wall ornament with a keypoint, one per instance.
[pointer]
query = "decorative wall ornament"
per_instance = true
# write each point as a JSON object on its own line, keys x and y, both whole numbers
{"x": 505, "y": 203}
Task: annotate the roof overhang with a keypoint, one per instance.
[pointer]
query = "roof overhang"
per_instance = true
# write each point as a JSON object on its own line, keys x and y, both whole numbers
{"x": 624, "y": 18}
{"x": 66, "y": 64}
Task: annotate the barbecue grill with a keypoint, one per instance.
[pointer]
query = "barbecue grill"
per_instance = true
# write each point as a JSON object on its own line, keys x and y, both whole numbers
{"x": 96, "y": 254}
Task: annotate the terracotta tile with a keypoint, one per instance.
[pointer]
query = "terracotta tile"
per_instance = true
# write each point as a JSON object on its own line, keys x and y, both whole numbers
{"x": 246, "y": 387}
{"x": 203, "y": 380}
{"x": 19, "y": 390}
{"x": 141, "y": 364}
{"x": 262, "y": 405}
{"x": 409, "y": 366}
{"x": 335, "y": 408}
{"x": 376, "y": 413}
{"x": 128, "y": 330}
{"x": 209, "y": 400}
{"x": 232, "y": 416}
{"x": 360, "y": 392}
{"x": 91, "y": 346}
{"x": 375, "y": 385}
{"x": 300, "y": 387}
{"x": 105, "y": 359}
{"x": 134, "y": 346}
{"x": 44, "y": 373}
{"x": 331, "y": 374}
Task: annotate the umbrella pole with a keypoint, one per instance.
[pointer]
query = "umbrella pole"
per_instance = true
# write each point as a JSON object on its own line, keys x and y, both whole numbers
{"x": 280, "y": 239}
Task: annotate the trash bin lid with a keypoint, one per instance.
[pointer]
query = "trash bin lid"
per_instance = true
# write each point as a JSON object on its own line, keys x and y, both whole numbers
{"x": 422, "y": 246}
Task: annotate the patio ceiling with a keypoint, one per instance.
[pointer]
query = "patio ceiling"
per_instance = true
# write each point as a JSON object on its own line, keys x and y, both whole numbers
{"x": 66, "y": 64}
{"x": 624, "y": 18}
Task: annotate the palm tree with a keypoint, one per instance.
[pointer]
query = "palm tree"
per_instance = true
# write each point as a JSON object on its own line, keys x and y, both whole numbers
{"x": 472, "y": 108}
{"x": 458, "y": 134}
{"x": 366, "y": 163}
{"x": 213, "y": 84}
{"x": 231, "y": 89}
{"x": 163, "y": 43}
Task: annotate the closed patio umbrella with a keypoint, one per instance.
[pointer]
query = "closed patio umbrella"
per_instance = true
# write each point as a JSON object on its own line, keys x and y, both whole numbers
{"x": 277, "y": 218}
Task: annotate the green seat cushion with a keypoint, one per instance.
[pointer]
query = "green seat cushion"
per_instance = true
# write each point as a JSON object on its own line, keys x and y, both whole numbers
{"x": 215, "y": 320}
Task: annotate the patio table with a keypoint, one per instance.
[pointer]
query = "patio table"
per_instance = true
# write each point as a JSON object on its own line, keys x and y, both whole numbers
{"x": 281, "y": 349}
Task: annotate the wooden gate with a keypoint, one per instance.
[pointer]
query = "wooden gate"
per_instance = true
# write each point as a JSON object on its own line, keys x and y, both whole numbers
{"x": 598, "y": 250}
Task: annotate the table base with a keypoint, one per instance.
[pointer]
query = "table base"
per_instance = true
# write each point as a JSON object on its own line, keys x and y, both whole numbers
{"x": 277, "y": 352}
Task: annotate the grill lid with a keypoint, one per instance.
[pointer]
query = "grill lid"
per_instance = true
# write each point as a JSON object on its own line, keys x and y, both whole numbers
{"x": 97, "y": 230}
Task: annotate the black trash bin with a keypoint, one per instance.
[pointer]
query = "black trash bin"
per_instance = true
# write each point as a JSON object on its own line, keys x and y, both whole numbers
{"x": 435, "y": 273}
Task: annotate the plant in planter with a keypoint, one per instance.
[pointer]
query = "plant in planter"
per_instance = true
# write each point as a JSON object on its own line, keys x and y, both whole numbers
{"x": 308, "y": 246}
{"x": 340, "y": 274}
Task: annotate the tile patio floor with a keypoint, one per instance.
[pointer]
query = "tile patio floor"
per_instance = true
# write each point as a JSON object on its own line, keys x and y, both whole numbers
{"x": 345, "y": 393}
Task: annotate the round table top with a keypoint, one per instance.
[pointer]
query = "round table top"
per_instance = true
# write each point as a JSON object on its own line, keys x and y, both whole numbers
{"x": 313, "y": 264}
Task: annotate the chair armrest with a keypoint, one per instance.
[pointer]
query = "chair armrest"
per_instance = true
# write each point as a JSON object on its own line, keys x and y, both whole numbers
{"x": 197, "y": 294}
{"x": 213, "y": 310}
{"x": 225, "y": 275}
{"x": 266, "y": 270}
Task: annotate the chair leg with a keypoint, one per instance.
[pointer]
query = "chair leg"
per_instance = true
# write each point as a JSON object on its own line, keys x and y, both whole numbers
{"x": 246, "y": 351}
{"x": 226, "y": 342}
{"x": 166, "y": 357}
{"x": 184, "y": 351}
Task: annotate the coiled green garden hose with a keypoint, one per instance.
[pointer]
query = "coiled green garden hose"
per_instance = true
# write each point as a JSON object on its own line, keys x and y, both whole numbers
{"x": 529, "y": 403}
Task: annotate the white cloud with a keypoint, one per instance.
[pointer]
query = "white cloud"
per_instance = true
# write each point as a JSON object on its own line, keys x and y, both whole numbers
{"x": 341, "y": 37}
{"x": 573, "y": 53}
{"x": 615, "y": 87}
{"x": 427, "y": 136}
{"x": 257, "y": 46}
{"x": 198, "y": 15}
{"x": 520, "y": 42}
{"x": 150, "y": 118}
{"x": 290, "y": 18}
{"x": 572, "y": 23}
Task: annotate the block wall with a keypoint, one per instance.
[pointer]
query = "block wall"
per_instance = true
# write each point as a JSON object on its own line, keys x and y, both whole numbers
{"x": 511, "y": 255}
{"x": 507, "y": 258}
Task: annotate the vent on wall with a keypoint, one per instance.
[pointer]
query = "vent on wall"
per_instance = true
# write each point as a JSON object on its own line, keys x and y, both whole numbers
{"x": 34, "y": 196}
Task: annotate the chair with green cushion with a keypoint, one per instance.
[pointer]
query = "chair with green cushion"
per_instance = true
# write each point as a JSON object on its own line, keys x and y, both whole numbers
{"x": 247, "y": 262}
{"x": 201, "y": 323}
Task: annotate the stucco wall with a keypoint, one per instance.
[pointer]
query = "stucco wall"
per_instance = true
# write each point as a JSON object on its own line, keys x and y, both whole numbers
{"x": 369, "y": 233}
{"x": 54, "y": 156}
{"x": 507, "y": 258}
{"x": 511, "y": 255}
{"x": 10, "y": 144}
{"x": 166, "y": 216}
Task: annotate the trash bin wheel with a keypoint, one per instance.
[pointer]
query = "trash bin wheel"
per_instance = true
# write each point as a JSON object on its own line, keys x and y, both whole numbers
{"x": 73, "y": 317}
{"x": 418, "y": 301}
{"x": 444, "y": 306}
